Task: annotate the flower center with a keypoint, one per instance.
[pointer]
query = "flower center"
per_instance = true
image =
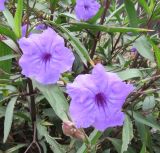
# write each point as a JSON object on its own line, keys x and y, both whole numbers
{"x": 46, "y": 57}
{"x": 86, "y": 7}
{"x": 100, "y": 99}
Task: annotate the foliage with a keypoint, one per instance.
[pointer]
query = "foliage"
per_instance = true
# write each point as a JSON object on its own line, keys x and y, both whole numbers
{"x": 31, "y": 113}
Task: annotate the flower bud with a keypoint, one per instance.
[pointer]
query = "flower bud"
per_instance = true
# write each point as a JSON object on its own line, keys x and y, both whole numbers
{"x": 69, "y": 129}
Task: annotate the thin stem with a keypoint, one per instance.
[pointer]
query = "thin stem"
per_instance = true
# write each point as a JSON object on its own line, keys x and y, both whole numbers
{"x": 149, "y": 21}
{"x": 34, "y": 4}
{"x": 139, "y": 92}
{"x": 33, "y": 117}
{"x": 28, "y": 147}
{"x": 134, "y": 64}
{"x": 98, "y": 35}
{"x": 32, "y": 104}
{"x": 123, "y": 47}
{"x": 116, "y": 43}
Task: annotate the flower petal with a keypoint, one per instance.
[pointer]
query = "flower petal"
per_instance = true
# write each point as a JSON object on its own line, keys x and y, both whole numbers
{"x": 2, "y": 7}
{"x": 82, "y": 115}
{"x": 85, "y": 82}
{"x": 86, "y": 9}
{"x": 100, "y": 78}
{"x": 108, "y": 118}
{"x": 119, "y": 89}
{"x": 61, "y": 53}
{"x": 30, "y": 65}
{"x": 48, "y": 74}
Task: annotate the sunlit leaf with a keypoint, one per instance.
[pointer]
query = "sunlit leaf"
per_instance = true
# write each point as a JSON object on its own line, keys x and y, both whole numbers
{"x": 18, "y": 19}
{"x": 131, "y": 12}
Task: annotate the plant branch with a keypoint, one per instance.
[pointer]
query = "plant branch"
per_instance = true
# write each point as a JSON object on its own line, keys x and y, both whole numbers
{"x": 33, "y": 117}
{"x": 32, "y": 100}
{"x": 98, "y": 35}
{"x": 116, "y": 43}
{"x": 140, "y": 91}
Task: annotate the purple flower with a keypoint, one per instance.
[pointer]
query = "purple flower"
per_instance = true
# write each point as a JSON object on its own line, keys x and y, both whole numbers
{"x": 45, "y": 57}
{"x": 2, "y": 7}
{"x": 97, "y": 99}
{"x": 41, "y": 27}
{"x": 86, "y": 9}
{"x": 133, "y": 49}
{"x": 24, "y": 30}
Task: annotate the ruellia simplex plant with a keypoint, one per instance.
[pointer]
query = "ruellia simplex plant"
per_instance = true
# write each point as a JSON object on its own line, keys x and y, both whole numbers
{"x": 79, "y": 76}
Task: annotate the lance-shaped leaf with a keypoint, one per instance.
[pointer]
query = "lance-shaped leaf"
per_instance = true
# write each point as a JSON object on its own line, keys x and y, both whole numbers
{"x": 56, "y": 99}
{"x": 127, "y": 133}
{"x": 105, "y": 28}
{"x": 9, "y": 118}
{"x": 18, "y": 19}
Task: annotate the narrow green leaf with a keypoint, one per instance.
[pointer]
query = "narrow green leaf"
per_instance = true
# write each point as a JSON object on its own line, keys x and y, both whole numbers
{"x": 157, "y": 53}
{"x": 145, "y": 135}
{"x": 56, "y": 99}
{"x": 9, "y": 118}
{"x": 96, "y": 27}
{"x": 127, "y": 134}
{"x": 117, "y": 11}
{"x": 13, "y": 45}
{"x": 139, "y": 118}
{"x": 144, "y": 4}
{"x": 129, "y": 74}
{"x": 7, "y": 57}
{"x": 5, "y": 65}
{"x": 79, "y": 48}
{"x": 9, "y": 18}
{"x": 152, "y": 5}
{"x": 73, "y": 2}
{"x": 144, "y": 48}
{"x": 107, "y": 151}
{"x": 2, "y": 111}
{"x": 18, "y": 19}
{"x": 93, "y": 138}
{"x": 117, "y": 143}
{"x": 131, "y": 12}
{"x": 143, "y": 149}
{"x": 149, "y": 103}
{"x": 44, "y": 146}
{"x": 15, "y": 148}
{"x": 53, "y": 3}
{"x": 68, "y": 15}
{"x": 57, "y": 148}
{"x": 97, "y": 16}
{"x": 4, "y": 30}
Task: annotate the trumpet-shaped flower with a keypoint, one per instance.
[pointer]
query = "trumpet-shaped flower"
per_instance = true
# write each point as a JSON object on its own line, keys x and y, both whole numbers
{"x": 97, "y": 99}
{"x": 86, "y": 9}
{"x": 44, "y": 56}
